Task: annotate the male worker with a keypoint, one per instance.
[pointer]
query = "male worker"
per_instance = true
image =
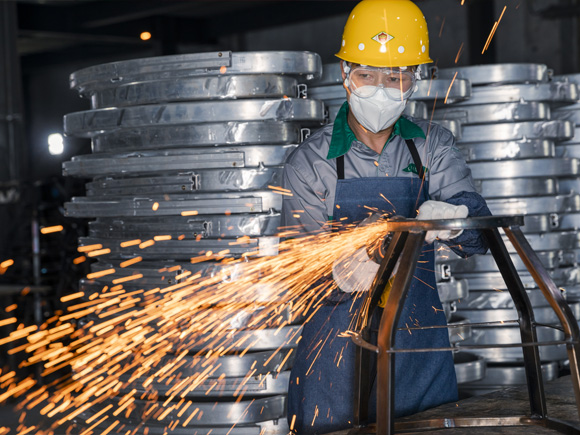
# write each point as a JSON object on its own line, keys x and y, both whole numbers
{"x": 374, "y": 158}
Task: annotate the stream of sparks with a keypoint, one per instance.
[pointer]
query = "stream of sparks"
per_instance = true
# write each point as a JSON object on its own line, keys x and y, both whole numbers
{"x": 135, "y": 341}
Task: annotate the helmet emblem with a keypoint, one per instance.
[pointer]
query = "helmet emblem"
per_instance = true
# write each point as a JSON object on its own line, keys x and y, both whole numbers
{"x": 382, "y": 37}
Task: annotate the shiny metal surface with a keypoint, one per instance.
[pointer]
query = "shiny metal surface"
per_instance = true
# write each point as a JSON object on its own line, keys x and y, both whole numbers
{"x": 553, "y": 92}
{"x": 523, "y": 149}
{"x": 568, "y": 113}
{"x": 452, "y": 290}
{"x": 459, "y": 329}
{"x": 494, "y": 280}
{"x": 543, "y": 314}
{"x": 212, "y": 180}
{"x": 507, "y": 335}
{"x": 195, "y": 88}
{"x": 493, "y": 299}
{"x": 554, "y": 130}
{"x": 196, "y": 135}
{"x": 202, "y": 204}
{"x": 510, "y": 187}
{"x": 539, "y": 205}
{"x": 554, "y": 240}
{"x": 215, "y": 413}
{"x": 182, "y": 160}
{"x": 303, "y": 64}
{"x": 257, "y": 340}
{"x": 188, "y": 248}
{"x": 486, "y": 263}
{"x": 215, "y": 226}
{"x": 254, "y": 386}
{"x": 568, "y": 185}
{"x": 490, "y": 113}
{"x": 570, "y": 151}
{"x": 441, "y": 90}
{"x": 499, "y": 73}
{"x": 91, "y": 122}
{"x": 468, "y": 367}
{"x": 549, "y": 167}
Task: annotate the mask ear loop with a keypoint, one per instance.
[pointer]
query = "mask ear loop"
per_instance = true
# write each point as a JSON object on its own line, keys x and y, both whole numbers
{"x": 346, "y": 69}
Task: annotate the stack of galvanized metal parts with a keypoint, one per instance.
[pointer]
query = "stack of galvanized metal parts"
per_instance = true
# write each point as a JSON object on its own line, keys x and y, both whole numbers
{"x": 508, "y": 138}
{"x": 429, "y": 92}
{"x": 187, "y": 155}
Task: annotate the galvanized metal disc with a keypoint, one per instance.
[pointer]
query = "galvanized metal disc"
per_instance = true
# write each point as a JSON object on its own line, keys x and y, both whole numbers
{"x": 452, "y": 290}
{"x": 572, "y": 78}
{"x": 517, "y": 186}
{"x": 510, "y": 334}
{"x": 196, "y": 135}
{"x": 568, "y": 185}
{"x": 543, "y": 314}
{"x": 442, "y": 91}
{"x": 93, "y": 122}
{"x": 498, "y": 73}
{"x": 526, "y": 168}
{"x": 562, "y": 149}
{"x": 555, "y": 130}
{"x": 187, "y": 248}
{"x": 502, "y": 375}
{"x": 566, "y": 221}
{"x": 539, "y": 205}
{"x": 490, "y": 113}
{"x": 493, "y": 300}
{"x": 189, "y": 227}
{"x": 195, "y": 88}
{"x": 459, "y": 329}
{"x": 510, "y": 150}
{"x": 207, "y": 413}
{"x": 568, "y": 113}
{"x": 468, "y": 367}
{"x": 486, "y": 263}
{"x": 328, "y": 93}
{"x": 202, "y": 181}
{"x": 553, "y": 92}
{"x": 225, "y": 388}
{"x": 256, "y": 340}
{"x": 202, "y": 204}
{"x": 494, "y": 280}
{"x": 180, "y": 160}
{"x": 303, "y": 64}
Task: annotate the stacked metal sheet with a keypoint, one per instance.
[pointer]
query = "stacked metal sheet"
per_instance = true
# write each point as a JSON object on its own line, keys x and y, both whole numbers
{"x": 330, "y": 89}
{"x": 509, "y": 141}
{"x": 187, "y": 161}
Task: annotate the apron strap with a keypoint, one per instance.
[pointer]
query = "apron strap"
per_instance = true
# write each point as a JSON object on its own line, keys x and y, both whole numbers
{"x": 416, "y": 159}
{"x": 412, "y": 150}
{"x": 340, "y": 167}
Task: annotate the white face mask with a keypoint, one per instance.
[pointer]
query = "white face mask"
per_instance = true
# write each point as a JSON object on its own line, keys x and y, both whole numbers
{"x": 377, "y": 112}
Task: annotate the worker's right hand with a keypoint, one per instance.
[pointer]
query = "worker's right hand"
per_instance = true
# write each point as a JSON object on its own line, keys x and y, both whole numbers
{"x": 354, "y": 272}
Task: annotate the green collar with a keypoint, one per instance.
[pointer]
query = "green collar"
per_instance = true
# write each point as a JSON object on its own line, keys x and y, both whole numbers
{"x": 343, "y": 136}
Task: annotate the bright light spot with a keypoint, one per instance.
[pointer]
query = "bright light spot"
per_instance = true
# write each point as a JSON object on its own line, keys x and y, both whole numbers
{"x": 145, "y": 36}
{"x": 55, "y": 144}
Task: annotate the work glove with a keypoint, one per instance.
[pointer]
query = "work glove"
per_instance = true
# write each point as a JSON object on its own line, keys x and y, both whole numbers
{"x": 430, "y": 210}
{"x": 354, "y": 272}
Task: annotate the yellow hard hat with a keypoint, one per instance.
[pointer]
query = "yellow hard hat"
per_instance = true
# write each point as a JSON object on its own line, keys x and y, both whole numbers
{"x": 385, "y": 33}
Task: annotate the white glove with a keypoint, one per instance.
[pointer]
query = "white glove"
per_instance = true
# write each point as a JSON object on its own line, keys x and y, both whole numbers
{"x": 354, "y": 272}
{"x": 441, "y": 210}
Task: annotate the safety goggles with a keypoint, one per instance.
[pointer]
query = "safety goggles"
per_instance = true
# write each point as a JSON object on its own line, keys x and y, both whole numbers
{"x": 365, "y": 81}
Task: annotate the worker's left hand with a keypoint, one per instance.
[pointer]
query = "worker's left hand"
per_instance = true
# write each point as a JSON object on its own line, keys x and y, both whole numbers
{"x": 354, "y": 272}
{"x": 441, "y": 210}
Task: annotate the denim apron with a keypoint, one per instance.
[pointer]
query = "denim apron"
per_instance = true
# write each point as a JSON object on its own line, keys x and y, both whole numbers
{"x": 321, "y": 391}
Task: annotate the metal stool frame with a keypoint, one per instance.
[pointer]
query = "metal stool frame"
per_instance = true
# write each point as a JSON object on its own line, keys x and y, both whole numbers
{"x": 406, "y": 245}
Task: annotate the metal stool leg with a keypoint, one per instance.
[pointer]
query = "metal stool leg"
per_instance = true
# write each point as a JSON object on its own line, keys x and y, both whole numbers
{"x": 556, "y": 301}
{"x": 388, "y": 329}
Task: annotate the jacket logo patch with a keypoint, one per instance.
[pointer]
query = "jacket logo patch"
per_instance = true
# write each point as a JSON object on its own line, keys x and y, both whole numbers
{"x": 412, "y": 168}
